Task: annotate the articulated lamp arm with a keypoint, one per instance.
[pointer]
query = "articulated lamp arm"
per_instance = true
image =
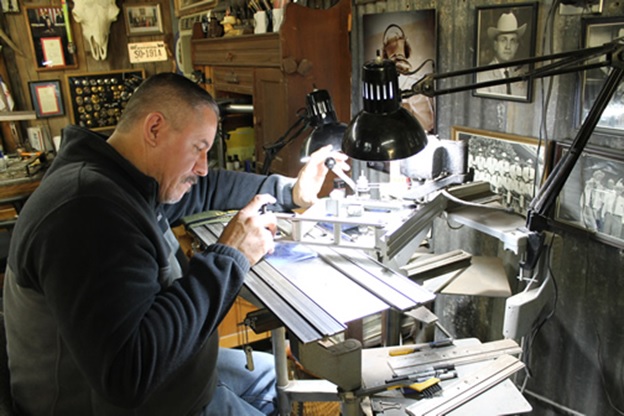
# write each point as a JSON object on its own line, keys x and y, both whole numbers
{"x": 541, "y": 207}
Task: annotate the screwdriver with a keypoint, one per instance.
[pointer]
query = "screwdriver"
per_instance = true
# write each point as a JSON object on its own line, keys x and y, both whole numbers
{"x": 330, "y": 162}
{"x": 419, "y": 347}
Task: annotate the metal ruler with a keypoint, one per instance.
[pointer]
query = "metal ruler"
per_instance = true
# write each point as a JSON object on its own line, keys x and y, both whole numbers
{"x": 419, "y": 361}
{"x": 468, "y": 387}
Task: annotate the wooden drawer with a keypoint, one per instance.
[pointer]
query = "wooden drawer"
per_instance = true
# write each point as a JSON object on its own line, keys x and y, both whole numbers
{"x": 233, "y": 79}
{"x": 249, "y": 50}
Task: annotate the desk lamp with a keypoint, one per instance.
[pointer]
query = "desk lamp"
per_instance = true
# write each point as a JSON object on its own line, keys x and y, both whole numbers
{"x": 322, "y": 117}
{"x": 383, "y": 130}
{"x": 318, "y": 114}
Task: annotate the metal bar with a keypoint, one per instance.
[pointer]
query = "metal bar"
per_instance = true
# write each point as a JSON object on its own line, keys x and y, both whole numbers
{"x": 289, "y": 316}
{"x": 467, "y": 387}
{"x": 308, "y": 309}
{"x": 395, "y": 281}
{"x": 419, "y": 361}
{"x": 420, "y": 220}
{"x": 426, "y": 86}
{"x": 543, "y": 203}
{"x": 278, "y": 340}
{"x": 366, "y": 279}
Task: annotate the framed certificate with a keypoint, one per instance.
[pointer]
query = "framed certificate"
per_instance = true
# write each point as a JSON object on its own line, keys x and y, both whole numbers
{"x": 47, "y": 98}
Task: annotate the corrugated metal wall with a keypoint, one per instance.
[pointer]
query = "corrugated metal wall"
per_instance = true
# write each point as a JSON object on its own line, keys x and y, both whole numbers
{"x": 577, "y": 360}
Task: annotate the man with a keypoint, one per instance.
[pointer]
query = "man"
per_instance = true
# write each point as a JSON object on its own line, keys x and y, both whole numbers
{"x": 397, "y": 49}
{"x": 104, "y": 315}
{"x": 506, "y": 38}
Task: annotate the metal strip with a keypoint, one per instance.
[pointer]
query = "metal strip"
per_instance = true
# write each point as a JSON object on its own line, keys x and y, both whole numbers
{"x": 467, "y": 387}
{"x": 396, "y": 281}
{"x": 420, "y": 220}
{"x": 284, "y": 311}
{"x": 312, "y": 312}
{"x": 286, "y": 301}
{"x": 392, "y": 288}
{"x": 420, "y": 361}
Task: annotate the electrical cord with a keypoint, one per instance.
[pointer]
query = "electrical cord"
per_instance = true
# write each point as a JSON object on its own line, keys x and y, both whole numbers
{"x": 271, "y": 150}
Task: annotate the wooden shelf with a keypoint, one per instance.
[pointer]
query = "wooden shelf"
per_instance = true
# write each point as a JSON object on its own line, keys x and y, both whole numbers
{"x": 17, "y": 115}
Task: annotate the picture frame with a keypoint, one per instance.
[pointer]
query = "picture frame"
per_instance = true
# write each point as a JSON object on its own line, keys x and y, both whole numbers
{"x": 183, "y": 7}
{"x": 598, "y": 31}
{"x": 47, "y": 98}
{"x": 49, "y": 39}
{"x": 410, "y": 39}
{"x": 143, "y": 19}
{"x": 515, "y": 166}
{"x": 96, "y": 99}
{"x": 592, "y": 199}
{"x": 505, "y": 33}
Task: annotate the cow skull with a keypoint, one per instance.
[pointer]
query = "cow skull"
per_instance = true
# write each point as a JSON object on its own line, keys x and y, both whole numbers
{"x": 95, "y": 18}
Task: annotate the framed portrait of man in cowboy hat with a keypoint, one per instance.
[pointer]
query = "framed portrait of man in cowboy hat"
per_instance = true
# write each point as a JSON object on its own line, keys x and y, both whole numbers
{"x": 505, "y": 34}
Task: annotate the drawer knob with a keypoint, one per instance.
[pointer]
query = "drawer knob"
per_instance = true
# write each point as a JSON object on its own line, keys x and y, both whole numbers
{"x": 232, "y": 78}
{"x": 289, "y": 65}
{"x": 229, "y": 56}
{"x": 304, "y": 67}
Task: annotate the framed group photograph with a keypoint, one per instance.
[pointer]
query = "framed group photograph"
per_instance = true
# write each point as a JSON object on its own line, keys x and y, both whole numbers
{"x": 143, "y": 19}
{"x": 47, "y": 98}
{"x": 592, "y": 198}
{"x": 49, "y": 39}
{"x": 515, "y": 166}
{"x": 596, "y": 32}
{"x": 505, "y": 33}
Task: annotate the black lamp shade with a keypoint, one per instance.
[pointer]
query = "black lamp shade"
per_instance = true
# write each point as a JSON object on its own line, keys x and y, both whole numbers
{"x": 383, "y": 130}
{"x": 326, "y": 127}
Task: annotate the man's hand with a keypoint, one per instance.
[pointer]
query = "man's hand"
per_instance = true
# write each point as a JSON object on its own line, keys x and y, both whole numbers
{"x": 250, "y": 231}
{"x": 312, "y": 175}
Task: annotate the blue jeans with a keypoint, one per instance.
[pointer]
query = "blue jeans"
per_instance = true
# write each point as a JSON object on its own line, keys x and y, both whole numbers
{"x": 241, "y": 392}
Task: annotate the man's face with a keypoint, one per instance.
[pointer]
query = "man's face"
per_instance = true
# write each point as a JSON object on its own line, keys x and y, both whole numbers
{"x": 506, "y": 46}
{"x": 184, "y": 155}
{"x": 394, "y": 49}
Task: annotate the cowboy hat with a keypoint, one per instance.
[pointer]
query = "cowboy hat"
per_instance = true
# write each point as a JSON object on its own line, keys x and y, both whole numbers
{"x": 507, "y": 23}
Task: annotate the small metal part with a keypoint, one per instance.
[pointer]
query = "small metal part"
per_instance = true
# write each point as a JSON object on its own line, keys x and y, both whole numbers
{"x": 249, "y": 357}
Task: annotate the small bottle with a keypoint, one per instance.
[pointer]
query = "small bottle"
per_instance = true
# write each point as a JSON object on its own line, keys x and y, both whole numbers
{"x": 363, "y": 189}
{"x": 229, "y": 165}
{"x": 236, "y": 163}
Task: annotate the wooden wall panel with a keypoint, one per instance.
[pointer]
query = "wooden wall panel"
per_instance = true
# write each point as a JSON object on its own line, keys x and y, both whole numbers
{"x": 21, "y": 67}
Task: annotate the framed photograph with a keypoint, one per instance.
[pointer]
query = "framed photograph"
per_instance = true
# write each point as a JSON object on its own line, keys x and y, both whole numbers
{"x": 515, "y": 166}
{"x": 598, "y": 31}
{"x": 96, "y": 99}
{"x": 143, "y": 19}
{"x": 505, "y": 33}
{"x": 49, "y": 39}
{"x": 592, "y": 198}
{"x": 47, "y": 98}
{"x": 409, "y": 39}
{"x": 189, "y": 6}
